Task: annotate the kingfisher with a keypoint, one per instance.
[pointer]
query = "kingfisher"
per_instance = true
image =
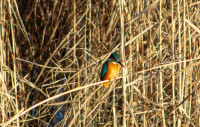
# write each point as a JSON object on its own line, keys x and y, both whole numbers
{"x": 111, "y": 68}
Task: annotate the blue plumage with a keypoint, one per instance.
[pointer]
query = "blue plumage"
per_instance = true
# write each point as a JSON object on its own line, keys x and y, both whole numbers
{"x": 115, "y": 56}
{"x": 104, "y": 69}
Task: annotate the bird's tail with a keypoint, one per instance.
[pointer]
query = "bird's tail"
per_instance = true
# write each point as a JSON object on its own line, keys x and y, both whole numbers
{"x": 106, "y": 84}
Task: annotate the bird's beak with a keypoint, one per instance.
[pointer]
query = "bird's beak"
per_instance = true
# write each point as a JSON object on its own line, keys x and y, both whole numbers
{"x": 120, "y": 63}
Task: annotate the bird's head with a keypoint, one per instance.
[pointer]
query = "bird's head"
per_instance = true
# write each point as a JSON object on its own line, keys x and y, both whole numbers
{"x": 114, "y": 56}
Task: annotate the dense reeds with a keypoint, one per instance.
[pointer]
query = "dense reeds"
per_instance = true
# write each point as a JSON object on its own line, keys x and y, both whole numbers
{"x": 52, "y": 52}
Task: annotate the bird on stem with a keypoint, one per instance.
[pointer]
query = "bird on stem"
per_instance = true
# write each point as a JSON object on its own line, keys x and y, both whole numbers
{"x": 111, "y": 68}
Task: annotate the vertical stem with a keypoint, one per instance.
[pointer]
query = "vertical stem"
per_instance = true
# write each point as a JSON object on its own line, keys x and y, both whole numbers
{"x": 143, "y": 82}
{"x": 191, "y": 70}
{"x": 130, "y": 57}
{"x": 74, "y": 30}
{"x": 74, "y": 54}
{"x": 86, "y": 70}
{"x": 114, "y": 110}
{"x": 2, "y": 51}
{"x": 184, "y": 57}
{"x": 90, "y": 37}
{"x": 180, "y": 74}
{"x": 161, "y": 81}
{"x": 121, "y": 3}
{"x": 173, "y": 67}
{"x": 137, "y": 43}
{"x": 150, "y": 53}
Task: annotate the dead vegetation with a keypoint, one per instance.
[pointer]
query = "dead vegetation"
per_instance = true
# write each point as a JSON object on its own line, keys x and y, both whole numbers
{"x": 52, "y": 52}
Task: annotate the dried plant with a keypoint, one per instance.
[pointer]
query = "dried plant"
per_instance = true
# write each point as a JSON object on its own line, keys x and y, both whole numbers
{"x": 52, "y": 52}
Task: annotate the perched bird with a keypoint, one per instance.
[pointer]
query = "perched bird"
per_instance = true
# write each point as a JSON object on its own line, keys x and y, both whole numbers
{"x": 111, "y": 68}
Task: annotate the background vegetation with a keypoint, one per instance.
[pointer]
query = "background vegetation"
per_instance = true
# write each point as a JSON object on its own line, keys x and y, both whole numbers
{"x": 52, "y": 51}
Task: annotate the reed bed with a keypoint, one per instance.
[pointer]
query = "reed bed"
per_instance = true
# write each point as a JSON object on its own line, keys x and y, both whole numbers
{"x": 52, "y": 52}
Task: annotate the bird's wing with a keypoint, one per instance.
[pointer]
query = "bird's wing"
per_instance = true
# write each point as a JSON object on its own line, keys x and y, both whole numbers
{"x": 104, "y": 70}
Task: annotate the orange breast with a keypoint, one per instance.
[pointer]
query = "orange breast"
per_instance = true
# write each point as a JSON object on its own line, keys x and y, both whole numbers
{"x": 112, "y": 72}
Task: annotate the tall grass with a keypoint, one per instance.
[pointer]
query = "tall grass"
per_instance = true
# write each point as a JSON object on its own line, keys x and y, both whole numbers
{"x": 52, "y": 53}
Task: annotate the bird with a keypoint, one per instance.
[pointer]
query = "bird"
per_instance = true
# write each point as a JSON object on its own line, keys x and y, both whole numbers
{"x": 111, "y": 68}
